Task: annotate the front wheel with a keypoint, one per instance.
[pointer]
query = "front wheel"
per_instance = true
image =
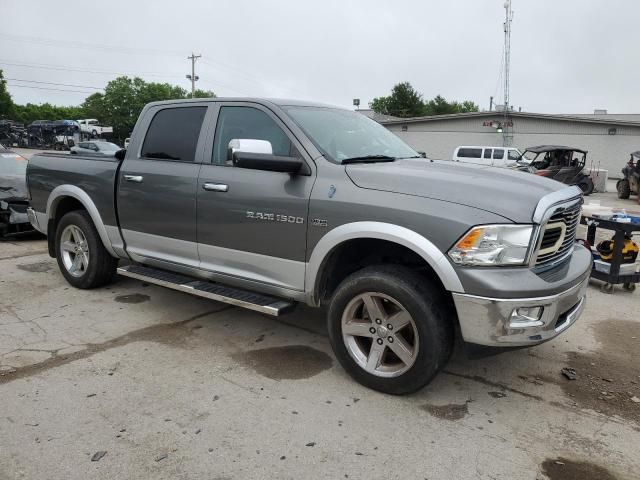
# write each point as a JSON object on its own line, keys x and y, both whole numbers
{"x": 81, "y": 256}
{"x": 390, "y": 328}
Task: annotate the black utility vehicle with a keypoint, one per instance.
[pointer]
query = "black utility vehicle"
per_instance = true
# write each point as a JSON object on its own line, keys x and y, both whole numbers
{"x": 630, "y": 184}
{"x": 564, "y": 164}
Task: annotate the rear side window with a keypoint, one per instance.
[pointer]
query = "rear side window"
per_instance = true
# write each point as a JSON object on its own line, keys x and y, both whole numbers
{"x": 487, "y": 153}
{"x": 470, "y": 152}
{"x": 498, "y": 153}
{"x": 173, "y": 134}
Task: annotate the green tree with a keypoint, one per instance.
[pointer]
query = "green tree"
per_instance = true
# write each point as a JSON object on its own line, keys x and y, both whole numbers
{"x": 405, "y": 101}
{"x": 203, "y": 94}
{"x": 124, "y": 98}
{"x": 7, "y": 107}
{"x": 93, "y": 107}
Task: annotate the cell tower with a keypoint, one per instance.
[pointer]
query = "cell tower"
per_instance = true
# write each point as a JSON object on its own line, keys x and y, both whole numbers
{"x": 507, "y": 128}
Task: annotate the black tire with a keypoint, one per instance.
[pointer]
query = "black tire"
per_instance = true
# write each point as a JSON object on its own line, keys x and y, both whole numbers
{"x": 101, "y": 266}
{"x": 586, "y": 185}
{"x": 428, "y": 306}
{"x": 624, "y": 189}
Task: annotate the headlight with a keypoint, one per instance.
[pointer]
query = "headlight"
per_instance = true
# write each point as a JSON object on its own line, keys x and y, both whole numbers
{"x": 491, "y": 245}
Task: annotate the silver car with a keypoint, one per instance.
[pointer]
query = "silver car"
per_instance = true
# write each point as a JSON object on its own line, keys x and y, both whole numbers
{"x": 95, "y": 148}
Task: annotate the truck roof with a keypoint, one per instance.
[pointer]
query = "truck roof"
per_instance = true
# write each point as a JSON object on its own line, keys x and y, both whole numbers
{"x": 274, "y": 101}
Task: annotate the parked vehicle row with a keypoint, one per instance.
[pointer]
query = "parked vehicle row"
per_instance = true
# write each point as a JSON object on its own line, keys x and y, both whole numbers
{"x": 263, "y": 203}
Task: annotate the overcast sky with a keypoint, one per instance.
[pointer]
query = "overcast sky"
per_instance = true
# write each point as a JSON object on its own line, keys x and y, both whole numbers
{"x": 568, "y": 56}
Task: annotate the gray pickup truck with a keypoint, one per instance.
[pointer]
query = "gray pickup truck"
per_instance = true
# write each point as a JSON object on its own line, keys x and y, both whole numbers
{"x": 265, "y": 203}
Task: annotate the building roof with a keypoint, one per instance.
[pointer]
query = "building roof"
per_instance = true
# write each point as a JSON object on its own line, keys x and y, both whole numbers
{"x": 608, "y": 119}
{"x": 378, "y": 117}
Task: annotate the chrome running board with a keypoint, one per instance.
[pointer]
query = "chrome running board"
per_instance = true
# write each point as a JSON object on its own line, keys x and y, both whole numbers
{"x": 213, "y": 291}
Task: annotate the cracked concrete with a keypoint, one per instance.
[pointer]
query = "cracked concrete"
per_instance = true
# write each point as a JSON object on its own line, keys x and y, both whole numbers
{"x": 218, "y": 392}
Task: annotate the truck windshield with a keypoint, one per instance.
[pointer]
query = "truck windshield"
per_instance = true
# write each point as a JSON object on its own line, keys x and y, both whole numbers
{"x": 343, "y": 134}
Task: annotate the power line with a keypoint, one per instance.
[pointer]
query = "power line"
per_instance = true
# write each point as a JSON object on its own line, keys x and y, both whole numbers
{"x": 47, "y": 88}
{"x": 53, "y": 83}
{"x": 71, "y": 69}
{"x": 52, "y": 42}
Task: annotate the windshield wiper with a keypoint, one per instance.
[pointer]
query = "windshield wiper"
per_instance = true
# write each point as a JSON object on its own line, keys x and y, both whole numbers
{"x": 368, "y": 159}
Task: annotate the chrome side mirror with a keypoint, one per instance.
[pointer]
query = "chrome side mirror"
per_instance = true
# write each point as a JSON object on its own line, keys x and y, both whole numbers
{"x": 248, "y": 145}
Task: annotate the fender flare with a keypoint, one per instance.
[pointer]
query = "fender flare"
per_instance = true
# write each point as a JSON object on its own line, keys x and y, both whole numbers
{"x": 62, "y": 191}
{"x": 382, "y": 231}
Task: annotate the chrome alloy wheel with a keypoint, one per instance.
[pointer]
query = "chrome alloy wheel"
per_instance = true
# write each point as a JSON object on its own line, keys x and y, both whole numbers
{"x": 380, "y": 334}
{"x": 74, "y": 250}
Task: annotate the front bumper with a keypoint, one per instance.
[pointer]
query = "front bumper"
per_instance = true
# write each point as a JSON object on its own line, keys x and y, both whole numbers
{"x": 488, "y": 321}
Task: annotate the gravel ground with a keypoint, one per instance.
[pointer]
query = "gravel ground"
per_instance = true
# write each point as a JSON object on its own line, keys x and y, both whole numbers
{"x": 135, "y": 381}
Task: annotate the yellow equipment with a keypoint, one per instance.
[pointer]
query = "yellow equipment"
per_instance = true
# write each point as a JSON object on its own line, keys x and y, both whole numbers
{"x": 629, "y": 250}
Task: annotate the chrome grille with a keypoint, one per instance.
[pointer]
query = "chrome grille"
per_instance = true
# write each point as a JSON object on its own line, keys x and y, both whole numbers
{"x": 570, "y": 217}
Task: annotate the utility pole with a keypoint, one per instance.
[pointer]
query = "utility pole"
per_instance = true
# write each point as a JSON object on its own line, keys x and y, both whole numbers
{"x": 193, "y": 77}
{"x": 507, "y": 133}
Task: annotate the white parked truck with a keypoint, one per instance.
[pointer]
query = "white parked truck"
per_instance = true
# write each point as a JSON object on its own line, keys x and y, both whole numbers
{"x": 92, "y": 127}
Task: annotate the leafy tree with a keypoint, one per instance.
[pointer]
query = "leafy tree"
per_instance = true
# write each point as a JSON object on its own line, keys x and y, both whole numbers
{"x": 203, "y": 94}
{"x": 405, "y": 101}
{"x": 7, "y": 107}
{"x": 93, "y": 107}
{"x": 120, "y": 104}
{"x": 124, "y": 98}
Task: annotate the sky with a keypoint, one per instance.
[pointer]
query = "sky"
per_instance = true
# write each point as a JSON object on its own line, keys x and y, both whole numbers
{"x": 567, "y": 56}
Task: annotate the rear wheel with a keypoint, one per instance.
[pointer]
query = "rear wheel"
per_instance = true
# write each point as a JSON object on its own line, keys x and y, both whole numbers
{"x": 81, "y": 256}
{"x": 624, "y": 189}
{"x": 389, "y": 328}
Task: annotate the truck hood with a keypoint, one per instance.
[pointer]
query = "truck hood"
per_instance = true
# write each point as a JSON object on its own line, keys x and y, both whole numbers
{"x": 508, "y": 193}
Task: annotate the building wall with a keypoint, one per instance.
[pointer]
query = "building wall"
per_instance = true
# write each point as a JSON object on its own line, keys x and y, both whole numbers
{"x": 439, "y": 138}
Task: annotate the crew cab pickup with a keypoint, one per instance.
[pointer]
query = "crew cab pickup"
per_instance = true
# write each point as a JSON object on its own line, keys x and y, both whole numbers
{"x": 265, "y": 203}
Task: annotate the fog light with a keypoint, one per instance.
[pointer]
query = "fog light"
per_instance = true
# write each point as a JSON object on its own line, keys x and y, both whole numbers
{"x": 526, "y": 317}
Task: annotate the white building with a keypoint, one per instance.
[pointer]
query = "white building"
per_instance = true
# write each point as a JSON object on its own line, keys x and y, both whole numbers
{"x": 608, "y": 138}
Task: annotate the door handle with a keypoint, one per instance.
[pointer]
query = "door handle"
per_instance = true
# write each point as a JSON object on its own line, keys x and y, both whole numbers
{"x": 215, "y": 187}
{"x": 133, "y": 178}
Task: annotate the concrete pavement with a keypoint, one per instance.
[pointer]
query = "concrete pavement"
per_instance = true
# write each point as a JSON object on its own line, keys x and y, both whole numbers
{"x": 174, "y": 386}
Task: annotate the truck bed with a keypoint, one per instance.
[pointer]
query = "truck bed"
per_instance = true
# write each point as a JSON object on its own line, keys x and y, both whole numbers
{"x": 97, "y": 176}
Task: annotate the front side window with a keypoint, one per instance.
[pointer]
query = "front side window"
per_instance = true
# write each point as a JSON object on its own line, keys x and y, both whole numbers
{"x": 173, "y": 134}
{"x": 247, "y": 123}
{"x": 470, "y": 152}
{"x": 513, "y": 155}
